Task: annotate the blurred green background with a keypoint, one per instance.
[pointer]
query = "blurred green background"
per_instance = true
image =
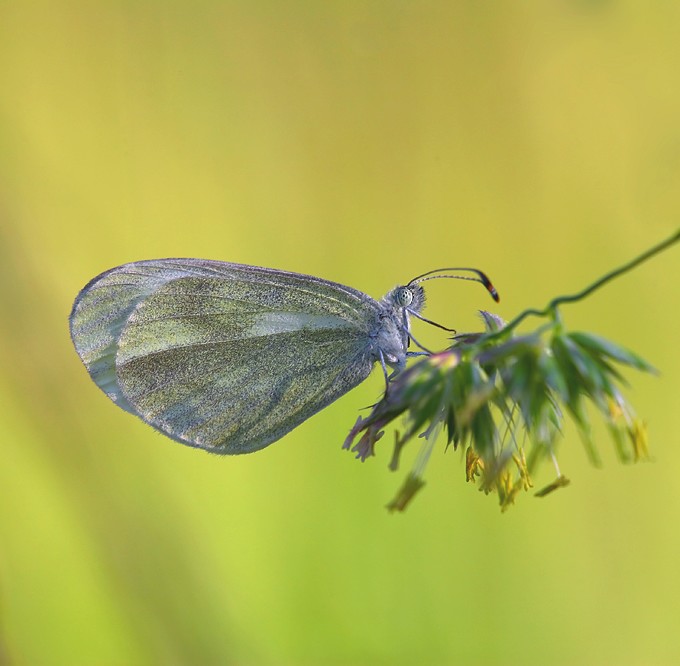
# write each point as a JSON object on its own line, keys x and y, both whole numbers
{"x": 364, "y": 143}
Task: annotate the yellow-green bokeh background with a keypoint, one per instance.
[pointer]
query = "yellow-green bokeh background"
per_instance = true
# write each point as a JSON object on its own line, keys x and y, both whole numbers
{"x": 364, "y": 143}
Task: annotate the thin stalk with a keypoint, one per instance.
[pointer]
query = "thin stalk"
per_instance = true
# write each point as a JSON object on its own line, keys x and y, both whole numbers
{"x": 553, "y": 305}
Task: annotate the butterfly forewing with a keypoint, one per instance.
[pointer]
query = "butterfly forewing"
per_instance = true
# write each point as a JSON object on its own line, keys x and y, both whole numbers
{"x": 222, "y": 356}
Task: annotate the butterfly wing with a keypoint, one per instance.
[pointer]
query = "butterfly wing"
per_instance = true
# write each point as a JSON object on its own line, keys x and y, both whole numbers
{"x": 222, "y": 356}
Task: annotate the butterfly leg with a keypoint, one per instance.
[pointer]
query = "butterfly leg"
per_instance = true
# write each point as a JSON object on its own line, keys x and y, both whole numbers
{"x": 383, "y": 365}
{"x": 425, "y": 352}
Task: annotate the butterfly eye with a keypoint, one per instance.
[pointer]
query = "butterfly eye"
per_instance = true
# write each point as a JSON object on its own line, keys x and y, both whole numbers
{"x": 404, "y": 296}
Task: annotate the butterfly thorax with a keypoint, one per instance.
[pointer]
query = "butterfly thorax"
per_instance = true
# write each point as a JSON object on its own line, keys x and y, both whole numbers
{"x": 391, "y": 337}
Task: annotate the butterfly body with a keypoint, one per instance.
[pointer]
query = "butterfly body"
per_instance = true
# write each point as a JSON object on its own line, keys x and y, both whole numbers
{"x": 228, "y": 357}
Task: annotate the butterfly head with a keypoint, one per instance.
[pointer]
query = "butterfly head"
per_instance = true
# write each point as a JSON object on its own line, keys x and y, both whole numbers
{"x": 411, "y": 297}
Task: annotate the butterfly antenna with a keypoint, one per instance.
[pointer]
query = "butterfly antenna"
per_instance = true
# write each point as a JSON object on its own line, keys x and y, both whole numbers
{"x": 480, "y": 277}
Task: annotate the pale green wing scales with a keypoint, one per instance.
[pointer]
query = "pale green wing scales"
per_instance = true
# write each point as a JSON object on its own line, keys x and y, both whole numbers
{"x": 221, "y": 356}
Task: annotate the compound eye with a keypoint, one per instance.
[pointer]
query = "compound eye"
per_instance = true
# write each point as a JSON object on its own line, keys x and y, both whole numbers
{"x": 404, "y": 296}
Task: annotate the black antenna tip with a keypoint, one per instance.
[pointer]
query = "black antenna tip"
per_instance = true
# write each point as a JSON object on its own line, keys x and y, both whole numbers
{"x": 493, "y": 292}
{"x": 489, "y": 286}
